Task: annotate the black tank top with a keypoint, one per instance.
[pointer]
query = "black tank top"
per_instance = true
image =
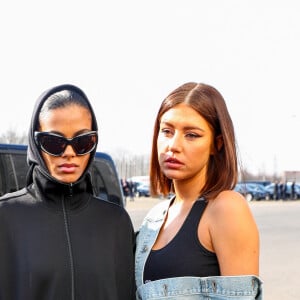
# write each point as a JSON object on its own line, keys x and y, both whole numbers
{"x": 184, "y": 255}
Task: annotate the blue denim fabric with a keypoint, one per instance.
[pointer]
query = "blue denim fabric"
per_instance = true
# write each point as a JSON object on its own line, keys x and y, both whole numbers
{"x": 214, "y": 288}
{"x": 200, "y": 288}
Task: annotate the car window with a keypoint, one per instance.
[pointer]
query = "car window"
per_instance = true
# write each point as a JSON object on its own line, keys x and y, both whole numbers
{"x": 107, "y": 188}
{"x": 15, "y": 167}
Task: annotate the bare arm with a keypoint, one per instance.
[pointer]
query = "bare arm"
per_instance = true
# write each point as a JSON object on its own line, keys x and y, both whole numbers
{"x": 234, "y": 235}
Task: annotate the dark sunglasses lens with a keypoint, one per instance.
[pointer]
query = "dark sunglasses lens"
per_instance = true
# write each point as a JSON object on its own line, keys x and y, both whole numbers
{"x": 85, "y": 143}
{"x": 52, "y": 144}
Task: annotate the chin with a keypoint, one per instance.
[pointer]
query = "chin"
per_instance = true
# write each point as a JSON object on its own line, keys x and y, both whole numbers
{"x": 172, "y": 175}
{"x": 67, "y": 178}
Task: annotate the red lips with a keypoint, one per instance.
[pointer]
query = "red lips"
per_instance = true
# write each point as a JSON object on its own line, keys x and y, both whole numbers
{"x": 68, "y": 168}
{"x": 173, "y": 160}
{"x": 172, "y": 163}
{"x": 68, "y": 165}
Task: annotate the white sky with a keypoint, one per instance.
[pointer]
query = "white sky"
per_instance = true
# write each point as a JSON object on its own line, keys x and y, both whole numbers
{"x": 128, "y": 55}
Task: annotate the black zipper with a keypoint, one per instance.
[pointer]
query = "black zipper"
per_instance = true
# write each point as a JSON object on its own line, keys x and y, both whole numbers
{"x": 66, "y": 223}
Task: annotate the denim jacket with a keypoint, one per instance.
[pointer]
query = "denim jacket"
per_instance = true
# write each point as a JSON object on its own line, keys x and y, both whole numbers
{"x": 246, "y": 287}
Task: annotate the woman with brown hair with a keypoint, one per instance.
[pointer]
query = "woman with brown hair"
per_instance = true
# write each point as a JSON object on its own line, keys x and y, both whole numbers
{"x": 204, "y": 241}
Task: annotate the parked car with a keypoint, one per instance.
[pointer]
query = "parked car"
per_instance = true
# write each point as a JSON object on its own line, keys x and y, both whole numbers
{"x": 270, "y": 191}
{"x": 138, "y": 182}
{"x": 143, "y": 190}
{"x": 13, "y": 170}
{"x": 251, "y": 191}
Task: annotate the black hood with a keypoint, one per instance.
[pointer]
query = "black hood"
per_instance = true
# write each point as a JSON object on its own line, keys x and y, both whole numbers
{"x": 34, "y": 158}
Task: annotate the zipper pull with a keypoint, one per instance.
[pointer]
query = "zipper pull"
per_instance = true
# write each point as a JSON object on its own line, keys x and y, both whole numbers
{"x": 71, "y": 189}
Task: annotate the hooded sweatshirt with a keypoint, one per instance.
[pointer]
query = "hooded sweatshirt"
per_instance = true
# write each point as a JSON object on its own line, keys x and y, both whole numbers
{"x": 57, "y": 240}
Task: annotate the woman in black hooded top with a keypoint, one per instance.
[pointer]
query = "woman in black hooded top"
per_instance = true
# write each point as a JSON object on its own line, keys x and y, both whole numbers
{"x": 57, "y": 241}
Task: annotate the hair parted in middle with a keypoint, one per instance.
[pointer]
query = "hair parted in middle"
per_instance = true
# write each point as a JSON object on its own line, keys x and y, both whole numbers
{"x": 222, "y": 171}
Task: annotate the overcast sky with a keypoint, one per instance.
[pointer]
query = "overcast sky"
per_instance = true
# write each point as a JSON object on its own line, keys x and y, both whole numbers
{"x": 128, "y": 55}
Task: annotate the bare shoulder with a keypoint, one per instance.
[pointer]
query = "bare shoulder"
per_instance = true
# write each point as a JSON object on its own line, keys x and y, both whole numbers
{"x": 228, "y": 201}
{"x": 230, "y": 214}
{"x": 234, "y": 234}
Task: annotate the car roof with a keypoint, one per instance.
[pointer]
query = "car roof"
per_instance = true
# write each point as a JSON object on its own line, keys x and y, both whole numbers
{"x": 13, "y": 146}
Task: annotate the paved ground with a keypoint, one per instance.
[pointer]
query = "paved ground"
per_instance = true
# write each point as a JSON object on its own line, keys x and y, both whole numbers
{"x": 139, "y": 207}
{"x": 279, "y": 226}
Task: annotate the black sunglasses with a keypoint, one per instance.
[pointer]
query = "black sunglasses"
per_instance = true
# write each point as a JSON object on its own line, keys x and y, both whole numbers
{"x": 55, "y": 144}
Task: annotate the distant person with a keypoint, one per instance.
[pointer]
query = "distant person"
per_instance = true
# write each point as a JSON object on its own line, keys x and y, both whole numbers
{"x": 203, "y": 242}
{"x": 125, "y": 187}
{"x": 276, "y": 191}
{"x": 293, "y": 193}
{"x": 282, "y": 188}
{"x": 58, "y": 241}
{"x": 131, "y": 190}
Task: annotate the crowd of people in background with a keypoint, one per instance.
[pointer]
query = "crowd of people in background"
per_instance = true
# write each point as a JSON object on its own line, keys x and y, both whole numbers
{"x": 280, "y": 191}
{"x": 128, "y": 189}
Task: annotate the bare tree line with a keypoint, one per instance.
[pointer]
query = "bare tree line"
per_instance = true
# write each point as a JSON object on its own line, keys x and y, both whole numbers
{"x": 11, "y": 137}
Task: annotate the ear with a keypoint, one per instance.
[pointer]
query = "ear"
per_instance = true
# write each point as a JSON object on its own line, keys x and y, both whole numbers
{"x": 218, "y": 144}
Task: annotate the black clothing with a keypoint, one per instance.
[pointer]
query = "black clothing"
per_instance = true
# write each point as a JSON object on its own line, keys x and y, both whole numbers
{"x": 184, "y": 255}
{"x": 58, "y": 241}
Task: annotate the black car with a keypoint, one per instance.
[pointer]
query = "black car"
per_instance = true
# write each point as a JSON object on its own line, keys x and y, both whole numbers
{"x": 13, "y": 170}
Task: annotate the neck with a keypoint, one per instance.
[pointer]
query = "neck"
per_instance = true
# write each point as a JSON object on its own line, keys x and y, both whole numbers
{"x": 186, "y": 191}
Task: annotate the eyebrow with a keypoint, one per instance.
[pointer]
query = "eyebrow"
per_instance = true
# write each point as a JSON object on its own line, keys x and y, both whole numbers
{"x": 185, "y": 127}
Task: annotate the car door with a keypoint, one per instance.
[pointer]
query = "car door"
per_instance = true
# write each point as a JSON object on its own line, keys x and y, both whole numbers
{"x": 13, "y": 168}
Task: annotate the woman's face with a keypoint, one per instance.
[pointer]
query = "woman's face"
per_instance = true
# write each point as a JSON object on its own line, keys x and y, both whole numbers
{"x": 68, "y": 122}
{"x": 184, "y": 143}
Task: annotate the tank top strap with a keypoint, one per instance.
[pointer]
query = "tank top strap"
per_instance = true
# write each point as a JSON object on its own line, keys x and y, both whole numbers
{"x": 195, "y": 213}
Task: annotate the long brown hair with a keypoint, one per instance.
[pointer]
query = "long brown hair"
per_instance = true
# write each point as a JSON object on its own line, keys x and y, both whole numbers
{"x": 222, "y": 171}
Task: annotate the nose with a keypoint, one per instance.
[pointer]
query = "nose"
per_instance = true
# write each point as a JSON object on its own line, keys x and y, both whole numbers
{"x": 69, "y": 151}
{"x": 174, "y": 144}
